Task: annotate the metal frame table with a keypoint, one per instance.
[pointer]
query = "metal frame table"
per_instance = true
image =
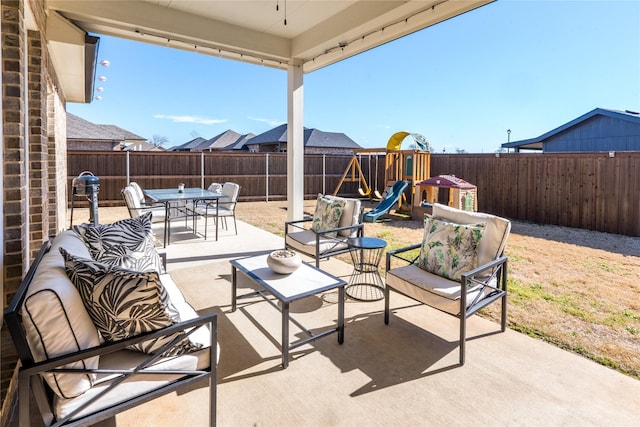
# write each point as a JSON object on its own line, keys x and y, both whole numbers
{"x": 306, "y": 281}
{"x": 167, "y": 196}
{"x": 365, "y": 283}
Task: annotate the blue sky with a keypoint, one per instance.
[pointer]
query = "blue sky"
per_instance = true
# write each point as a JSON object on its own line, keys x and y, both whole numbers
{"x": 527, "y": 66}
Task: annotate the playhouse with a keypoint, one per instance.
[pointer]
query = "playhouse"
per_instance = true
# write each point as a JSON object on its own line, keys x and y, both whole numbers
{"x": 461, "y": 194}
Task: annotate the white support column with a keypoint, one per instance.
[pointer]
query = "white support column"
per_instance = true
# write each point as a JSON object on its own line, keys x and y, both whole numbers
{"x": 295, "y": 143}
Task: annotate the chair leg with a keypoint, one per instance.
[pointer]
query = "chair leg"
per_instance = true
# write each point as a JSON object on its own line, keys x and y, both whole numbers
{"x": 235, "y": 225}
{"x": 463, "y": 339}
{"x": 387, "y": 295}
{"x": 206, "y": 222}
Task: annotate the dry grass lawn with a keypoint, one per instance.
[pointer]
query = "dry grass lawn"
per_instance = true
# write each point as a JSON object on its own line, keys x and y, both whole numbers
{"x": 577, "y": 289}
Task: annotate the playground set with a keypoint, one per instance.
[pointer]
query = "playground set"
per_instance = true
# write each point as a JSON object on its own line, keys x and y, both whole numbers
{"x": 407, "y": 180}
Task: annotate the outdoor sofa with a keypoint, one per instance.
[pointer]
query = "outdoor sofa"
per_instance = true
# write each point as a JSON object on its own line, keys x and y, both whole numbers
{"x": 95, "y": 338}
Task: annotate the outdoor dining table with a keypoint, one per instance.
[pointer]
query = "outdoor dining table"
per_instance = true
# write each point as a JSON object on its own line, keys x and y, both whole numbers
{"x": 167, "y": 196}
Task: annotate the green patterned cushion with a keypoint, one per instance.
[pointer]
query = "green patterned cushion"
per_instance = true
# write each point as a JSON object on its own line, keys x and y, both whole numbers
{"x": 327, "y": 214}
{"x": 124, "y": 303}
{"x": 449, "y": 249}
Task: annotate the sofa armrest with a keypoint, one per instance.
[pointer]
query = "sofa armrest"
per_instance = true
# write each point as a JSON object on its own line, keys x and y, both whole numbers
{"x": 106, "y": 348}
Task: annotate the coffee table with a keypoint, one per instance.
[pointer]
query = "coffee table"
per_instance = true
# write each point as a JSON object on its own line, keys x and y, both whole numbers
{"x": 306, "y": 281}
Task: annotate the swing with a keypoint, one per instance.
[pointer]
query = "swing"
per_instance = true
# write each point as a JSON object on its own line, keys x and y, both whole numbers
{"x": 356, "y": 176}
{"x": 362, "y": 192}
{"x": 376, "y": 193}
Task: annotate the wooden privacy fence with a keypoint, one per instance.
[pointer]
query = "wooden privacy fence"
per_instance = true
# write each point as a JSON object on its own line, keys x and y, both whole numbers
{"x": 593, "y": 191}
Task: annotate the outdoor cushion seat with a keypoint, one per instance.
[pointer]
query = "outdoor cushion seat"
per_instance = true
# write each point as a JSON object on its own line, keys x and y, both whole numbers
{"x": 467, "y": 273}
{"x": 303, "y": 240}
{"x": 431, "y": 289}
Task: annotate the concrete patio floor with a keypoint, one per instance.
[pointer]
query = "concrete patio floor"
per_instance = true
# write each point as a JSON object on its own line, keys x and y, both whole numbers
{"x": 406, "y": 373}
{"x": 403, "y": 374}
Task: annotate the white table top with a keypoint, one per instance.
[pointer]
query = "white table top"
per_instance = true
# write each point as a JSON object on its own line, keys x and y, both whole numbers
{"x": 307, "y": 280}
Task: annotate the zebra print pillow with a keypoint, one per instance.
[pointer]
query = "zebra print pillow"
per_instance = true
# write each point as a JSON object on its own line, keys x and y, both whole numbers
{"x": 124, "y": 303}
{"x": 129, "y": 231}
{"x": 128, "y": 243}
{"x": 143, "y": 258}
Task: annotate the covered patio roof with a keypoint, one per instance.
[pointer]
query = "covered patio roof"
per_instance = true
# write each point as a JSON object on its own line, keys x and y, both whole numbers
{"x": 274, "y": 33}
{"x": 297, "y": 35}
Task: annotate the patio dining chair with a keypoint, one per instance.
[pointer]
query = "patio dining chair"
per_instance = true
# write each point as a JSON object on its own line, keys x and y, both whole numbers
{"x": 460, "y": 267}
{"x": 158, "y": 211}
{"x": 226, "y": 206}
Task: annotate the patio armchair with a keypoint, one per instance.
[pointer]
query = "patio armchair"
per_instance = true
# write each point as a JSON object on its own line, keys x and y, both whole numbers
{"x": 226, "y": 205}
{"x": 335, "y": 220}
{"x": 460, "y": 267}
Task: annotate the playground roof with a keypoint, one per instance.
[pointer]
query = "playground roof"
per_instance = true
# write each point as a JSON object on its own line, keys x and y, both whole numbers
{"x": 446, "y": 181}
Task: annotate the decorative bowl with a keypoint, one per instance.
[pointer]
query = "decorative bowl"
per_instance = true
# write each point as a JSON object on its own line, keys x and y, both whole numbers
{"x": 284, "y": 261}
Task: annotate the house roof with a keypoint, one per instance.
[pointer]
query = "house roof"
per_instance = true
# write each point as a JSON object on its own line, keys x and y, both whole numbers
{"x": 227, "y": 140}
{"x": 312, "y": 138}
{"x": 190, "y": 145}
{"x": 79, "y": 128}
{"x": 536, "y": 143}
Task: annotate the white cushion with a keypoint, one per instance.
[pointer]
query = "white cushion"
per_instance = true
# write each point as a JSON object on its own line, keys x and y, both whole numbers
{"x": 495, "y": 234}
{"x": 431, "y": 289}
{"x": 305, "y": 241}
{"x": 128, "y": 359}
{"x": 55, "y": 319}
{"x": 135, "y": 386}
{"x": 350, "y": 215}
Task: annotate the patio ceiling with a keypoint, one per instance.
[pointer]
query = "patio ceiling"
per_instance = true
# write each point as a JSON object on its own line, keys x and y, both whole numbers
{"x": 317, "y": 33}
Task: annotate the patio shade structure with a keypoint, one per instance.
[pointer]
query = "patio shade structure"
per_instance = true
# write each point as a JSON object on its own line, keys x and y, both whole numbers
{"x": 294, "y": 35}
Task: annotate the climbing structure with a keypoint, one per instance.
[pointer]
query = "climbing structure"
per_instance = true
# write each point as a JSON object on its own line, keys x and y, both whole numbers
{"x": 411, "y": 165}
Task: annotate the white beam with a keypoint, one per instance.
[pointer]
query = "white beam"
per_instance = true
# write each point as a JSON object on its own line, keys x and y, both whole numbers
{"x": 295, "y": 143}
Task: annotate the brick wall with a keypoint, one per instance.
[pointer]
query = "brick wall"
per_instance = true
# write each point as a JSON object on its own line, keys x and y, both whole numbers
{"x": 14, "y": 161}
{"x": 38, "y": 152}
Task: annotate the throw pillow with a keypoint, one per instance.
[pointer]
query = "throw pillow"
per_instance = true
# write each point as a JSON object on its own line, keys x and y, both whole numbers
{"x": 130, "y": 231}
{"x": 449, "y": 249}
{"x": 124, "y": 303}
{"x": 327, "y": 214}
{"x": 142, "y": 258}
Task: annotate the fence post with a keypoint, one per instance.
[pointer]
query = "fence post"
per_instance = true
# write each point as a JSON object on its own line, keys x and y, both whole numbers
{"x": 266, "y": 174}
{"x": 128, "y": 164}
{"x": 202, "y": 169}
{"x": 324, "y": 177}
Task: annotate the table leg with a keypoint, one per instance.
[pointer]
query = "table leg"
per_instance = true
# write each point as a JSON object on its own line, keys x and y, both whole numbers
{"x": 341, "y": 314}
{"x": 285, "y": 334}
{"x": 234, "y": 287}
{"x": 167, "y": 223}
{"x": 217, "y": 217}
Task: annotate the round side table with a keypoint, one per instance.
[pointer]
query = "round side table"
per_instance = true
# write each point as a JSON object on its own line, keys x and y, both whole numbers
{"x": 365, "y": 283}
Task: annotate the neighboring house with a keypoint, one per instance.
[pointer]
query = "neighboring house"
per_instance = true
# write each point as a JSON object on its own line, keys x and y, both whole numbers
{"x": 598, "y": 130}
{"x": 227, "y": 140}
{"x": 84, "y": 135}
{"x": 190, "y": 145}
{"x": 315, "y": 142}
